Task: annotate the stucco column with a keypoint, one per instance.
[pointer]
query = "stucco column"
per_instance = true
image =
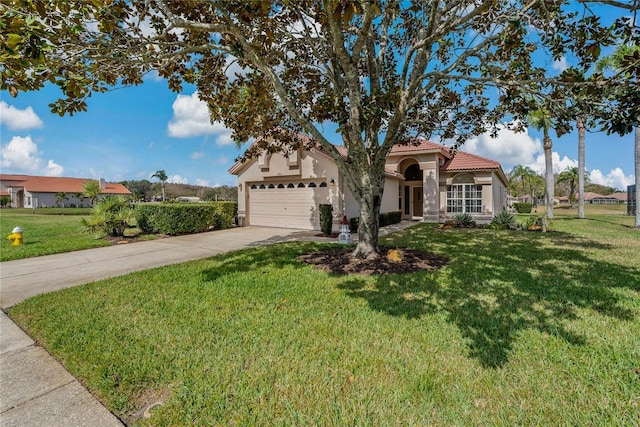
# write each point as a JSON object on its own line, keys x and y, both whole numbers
{"x": 431, "y": 190}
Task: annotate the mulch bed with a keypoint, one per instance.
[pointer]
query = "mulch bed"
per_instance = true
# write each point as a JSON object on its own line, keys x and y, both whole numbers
{"x": 339, "y": 261}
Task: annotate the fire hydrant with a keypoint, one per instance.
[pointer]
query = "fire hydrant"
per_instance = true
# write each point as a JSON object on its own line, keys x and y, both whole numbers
{"x": 16, "y": 236}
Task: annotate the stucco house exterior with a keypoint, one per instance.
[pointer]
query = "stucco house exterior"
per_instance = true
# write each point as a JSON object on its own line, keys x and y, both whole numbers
{"x": 27, "y": 191}
{"x": 425, "y": 181}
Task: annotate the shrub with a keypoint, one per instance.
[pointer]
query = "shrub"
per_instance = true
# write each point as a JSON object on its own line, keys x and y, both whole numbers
{"x": 173, "y": 219}
{"x": 354, "y": 223}
{"x": 464, "y": 220}
{"x": 534, "y": 223}
{"x": 395, "y": 217}
{"x": 326, "y": 219}
{"x": 225, "y": 216}
{"x": 384, "y": 219}
{"x": 111, "y": 216}
{"x": 523, "y": 207}
{"x": 504, "y": 221}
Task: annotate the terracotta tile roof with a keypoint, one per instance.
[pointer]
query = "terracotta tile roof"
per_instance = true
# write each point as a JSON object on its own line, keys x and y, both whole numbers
{"x": 466, "y": 161}
{"x": 50, "y": 184}
{"x": 619, "y": 196}
{"x": 454, "y": 162}
{"x": 590, "y": 196}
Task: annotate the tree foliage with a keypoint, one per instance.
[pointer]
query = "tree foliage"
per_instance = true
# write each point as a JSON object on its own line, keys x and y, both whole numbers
{"x": 111, "y": 216}
{"x": 525, "y": 181}
{"x": 92, "y": 190}
{"x": 383, "y": 71}
{"x": 162, "y": 177}
{"x": 571, "y": 177}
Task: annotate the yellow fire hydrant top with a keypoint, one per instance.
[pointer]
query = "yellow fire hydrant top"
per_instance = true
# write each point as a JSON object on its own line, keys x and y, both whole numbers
{"x": 16, "y": 236}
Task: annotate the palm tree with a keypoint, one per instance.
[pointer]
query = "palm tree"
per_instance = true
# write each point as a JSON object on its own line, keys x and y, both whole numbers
{"x": 60, "y": 198}
{"x": 92, "y": 190}
{"x": 581, "y": 125}
{"x": 526, "y": 176}
{"x": 162, "y": 176}
{"x": 571, "y": 175}
{"x": 615, "y": 62}
{"x": 541, "y": 120}
{"x": 79, "y": 195}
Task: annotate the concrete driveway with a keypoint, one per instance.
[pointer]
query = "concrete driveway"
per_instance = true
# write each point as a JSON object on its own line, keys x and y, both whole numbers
{"x": 22, "y": 279}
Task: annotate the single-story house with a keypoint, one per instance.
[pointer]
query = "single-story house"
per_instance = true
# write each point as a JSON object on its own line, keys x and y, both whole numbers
{"x": 599, "y": 199}
{"x": 188, "y": 199}
{"x": 28, "y": 191}
{"x": 425, "y": 181}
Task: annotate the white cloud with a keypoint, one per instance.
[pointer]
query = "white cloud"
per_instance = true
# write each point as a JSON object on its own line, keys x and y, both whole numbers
{"x": 509, "y": 148}
{"x": 21, "y": 154}
{"x": 615, "y": 178}
{"x": 516, "y": 148}
{"x": 177, "y": 179}
{"x": 202, "y": 182}
{"x": 232, "y": 67}
{"x": 191, "y": 118}
{"x": 16, "y": 119}
{"x": 558, "y": 164}
{"x": 153, "y": 76}
{"x": 53, "y": 169}
{"x": 197, "y": 155}
{"x": 560, "y": 65}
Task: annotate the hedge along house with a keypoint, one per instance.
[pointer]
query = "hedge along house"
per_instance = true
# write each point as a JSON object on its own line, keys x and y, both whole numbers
{"x": 28, "y": 191}
{"x": 425, "y": 181}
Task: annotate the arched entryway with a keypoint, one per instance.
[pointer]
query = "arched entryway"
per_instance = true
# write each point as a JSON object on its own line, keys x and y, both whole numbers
{"x": 413, "y": 189}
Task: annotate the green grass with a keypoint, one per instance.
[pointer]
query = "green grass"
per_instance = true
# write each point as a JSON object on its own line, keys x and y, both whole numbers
{"x": 521, "y": 328}
{"x": 48, "y": 231}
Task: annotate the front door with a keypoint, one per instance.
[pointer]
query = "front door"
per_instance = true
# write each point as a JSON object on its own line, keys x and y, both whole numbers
{"x": 417, "y": 202}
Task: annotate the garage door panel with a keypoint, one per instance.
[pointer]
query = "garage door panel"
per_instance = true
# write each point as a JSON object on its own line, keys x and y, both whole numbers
{"x": 287, "y": 207}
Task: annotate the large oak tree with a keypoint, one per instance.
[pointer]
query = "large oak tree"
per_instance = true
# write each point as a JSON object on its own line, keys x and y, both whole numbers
{"x": 384, "y": 71}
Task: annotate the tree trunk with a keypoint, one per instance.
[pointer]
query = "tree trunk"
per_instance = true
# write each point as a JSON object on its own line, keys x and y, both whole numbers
{"x": 368, "y": 227}
{"x": 637, "y": 164}
{"x": 580, "y": 124}
{"x": 549, "y": 181}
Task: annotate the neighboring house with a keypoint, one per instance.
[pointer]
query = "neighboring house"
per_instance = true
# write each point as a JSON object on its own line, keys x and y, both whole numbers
{"x": 599, "y": 199}
{"x": 424, "y": 181}
{"x": 188, "y": 199}
{"x": 28, "y": 191}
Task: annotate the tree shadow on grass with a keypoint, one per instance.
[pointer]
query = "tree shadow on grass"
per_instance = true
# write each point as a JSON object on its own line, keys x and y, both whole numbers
{"x": 277, "y": 255}
{"x": 500, "y": 284}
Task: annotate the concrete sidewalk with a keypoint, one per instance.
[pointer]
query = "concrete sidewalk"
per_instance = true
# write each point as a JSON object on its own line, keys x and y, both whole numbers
{"x": 35, "y": 390}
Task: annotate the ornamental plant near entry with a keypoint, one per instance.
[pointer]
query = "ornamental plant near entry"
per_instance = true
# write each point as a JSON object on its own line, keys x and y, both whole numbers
{"x": 326, "y": 219}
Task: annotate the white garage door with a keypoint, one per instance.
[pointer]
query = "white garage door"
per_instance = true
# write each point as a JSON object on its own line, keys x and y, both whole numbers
{"x": 287, "y": 204}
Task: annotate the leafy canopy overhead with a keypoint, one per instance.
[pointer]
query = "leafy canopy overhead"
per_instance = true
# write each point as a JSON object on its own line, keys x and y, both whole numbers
{"x": 375, "y": 68}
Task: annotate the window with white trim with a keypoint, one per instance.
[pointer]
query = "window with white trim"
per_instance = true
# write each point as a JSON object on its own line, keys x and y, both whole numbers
{"x": 464, "y": 196}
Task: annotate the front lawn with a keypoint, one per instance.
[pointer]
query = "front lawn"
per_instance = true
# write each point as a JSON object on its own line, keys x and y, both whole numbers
{"x": 48, "y": 231}
{"x": 520, "y": 328}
